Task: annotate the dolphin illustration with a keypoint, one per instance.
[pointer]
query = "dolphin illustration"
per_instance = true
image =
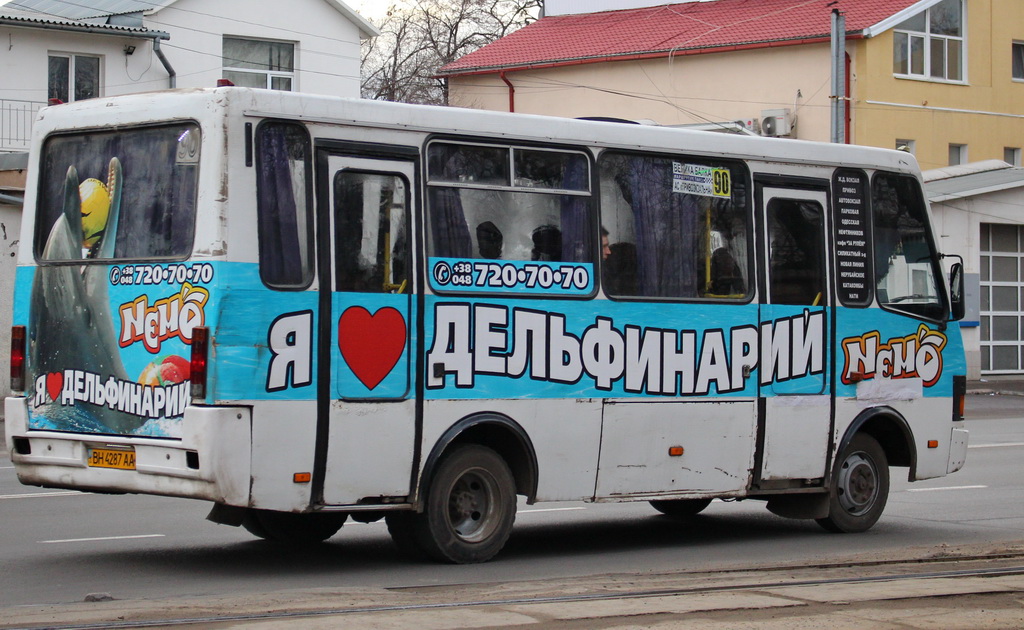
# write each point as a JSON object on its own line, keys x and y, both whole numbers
{"x": 70, "y": 322}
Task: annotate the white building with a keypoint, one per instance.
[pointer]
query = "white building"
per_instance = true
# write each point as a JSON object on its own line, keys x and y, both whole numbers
{"x": 84, "y": 48}
{"x": 75, "y": 49}
{"x": 979, "y": 214}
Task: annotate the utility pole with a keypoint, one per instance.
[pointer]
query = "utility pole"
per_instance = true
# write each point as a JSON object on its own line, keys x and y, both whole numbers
{"x": 839, "y": 96}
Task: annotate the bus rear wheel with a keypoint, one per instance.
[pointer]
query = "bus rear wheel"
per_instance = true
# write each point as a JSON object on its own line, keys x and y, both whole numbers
{"x": 681, "y": 507}
{"x": 291, "y": 528}
{"x": 469, "y": 510}
{"x": 859, "y": 487}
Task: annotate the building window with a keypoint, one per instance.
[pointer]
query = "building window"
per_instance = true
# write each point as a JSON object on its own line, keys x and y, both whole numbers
{"x": 903, "y": 144}
{"x": 1011, "y": 155}
{"x": 259, "y": 64}
{"x": 957, "y": 154}
{"x": 931, "y": 44}
{"x": 73, "y": 77}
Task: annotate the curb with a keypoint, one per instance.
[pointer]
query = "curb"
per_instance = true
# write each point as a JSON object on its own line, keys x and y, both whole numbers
{"x": 994, "y": 392}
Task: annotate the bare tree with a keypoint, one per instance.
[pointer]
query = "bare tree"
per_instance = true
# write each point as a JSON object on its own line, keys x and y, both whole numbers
{"x": 420, "y": 36}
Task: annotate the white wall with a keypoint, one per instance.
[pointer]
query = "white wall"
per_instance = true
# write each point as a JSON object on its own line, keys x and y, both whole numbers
{"x": 10, "y": 227}
{"x": 327, "y": 43}
{"x": 24, "y": 62}
{"x": 327, "y": 48}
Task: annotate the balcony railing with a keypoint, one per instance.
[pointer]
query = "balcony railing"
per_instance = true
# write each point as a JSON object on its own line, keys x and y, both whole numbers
{"x": 16, "y": 119}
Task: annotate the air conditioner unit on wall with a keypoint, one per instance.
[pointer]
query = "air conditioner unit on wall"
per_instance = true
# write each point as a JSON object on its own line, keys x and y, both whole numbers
{"x": 776, "y": 122}
{"x": 750, "y": 124}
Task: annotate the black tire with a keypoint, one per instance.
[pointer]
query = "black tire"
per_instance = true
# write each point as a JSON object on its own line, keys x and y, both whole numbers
{"x": 402, "y": 527}
{"x": 681, "y": 507}
{"x": 469, "y": 509}
{"x": 859, "y": 488}
{"x": 291, "y": 528}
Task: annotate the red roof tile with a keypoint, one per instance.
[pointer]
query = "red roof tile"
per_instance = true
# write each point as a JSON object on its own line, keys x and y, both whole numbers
{"x": 686, "y": 28}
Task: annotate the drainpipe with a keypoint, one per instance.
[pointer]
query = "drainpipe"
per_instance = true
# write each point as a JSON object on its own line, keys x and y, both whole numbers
{"x": 511, "y": 92}
{"x": 847, "y": 114}
{"x": 171, "y": 74}
{"x": 11, "y": 200}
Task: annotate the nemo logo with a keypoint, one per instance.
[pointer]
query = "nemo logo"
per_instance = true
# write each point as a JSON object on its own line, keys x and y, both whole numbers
{"x": 174, "y": 316}
{"x": 915, "y": 356}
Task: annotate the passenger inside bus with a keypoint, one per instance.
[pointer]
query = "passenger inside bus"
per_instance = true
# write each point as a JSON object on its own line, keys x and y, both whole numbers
{"x": 489, "y": 240}
{"x": 547, "y": 243}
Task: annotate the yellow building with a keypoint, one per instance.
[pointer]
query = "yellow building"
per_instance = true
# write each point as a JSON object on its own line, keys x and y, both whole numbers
{"x": 944, "y": 78}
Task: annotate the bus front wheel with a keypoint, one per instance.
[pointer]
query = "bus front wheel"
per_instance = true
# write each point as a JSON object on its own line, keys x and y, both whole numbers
{"x": 290, "y": 528}
{"x": 469, "y": 510}
{"x": 859, "y": 488}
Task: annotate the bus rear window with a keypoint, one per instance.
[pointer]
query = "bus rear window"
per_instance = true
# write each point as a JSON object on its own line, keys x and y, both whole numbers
{"x": 121, "y": 194}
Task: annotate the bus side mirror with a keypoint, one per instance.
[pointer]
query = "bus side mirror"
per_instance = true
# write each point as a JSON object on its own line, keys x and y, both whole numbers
{"x": 958, "y": 306}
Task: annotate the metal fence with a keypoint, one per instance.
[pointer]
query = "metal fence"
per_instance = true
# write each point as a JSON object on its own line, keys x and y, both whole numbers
{"x": 16, "y": 119}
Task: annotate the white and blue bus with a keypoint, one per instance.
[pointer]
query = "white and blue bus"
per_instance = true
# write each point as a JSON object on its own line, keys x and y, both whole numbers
{"x": 305, "y": 309}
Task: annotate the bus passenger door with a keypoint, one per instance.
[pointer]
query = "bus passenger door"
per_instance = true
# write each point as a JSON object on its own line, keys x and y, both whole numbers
{"x": 795, "y": 415}
{"x": 367, "y": 418}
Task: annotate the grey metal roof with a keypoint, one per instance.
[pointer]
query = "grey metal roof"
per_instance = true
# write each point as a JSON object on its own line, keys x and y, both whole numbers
{"x": 81, "y": 9}
{"x": 971, "y": 179}
{"x": 30, "y": 19}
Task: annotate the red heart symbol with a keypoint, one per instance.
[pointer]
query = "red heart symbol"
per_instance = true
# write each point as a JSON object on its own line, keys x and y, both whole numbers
{"x": 54, "y": 383}
{"x": 371, "y": 344}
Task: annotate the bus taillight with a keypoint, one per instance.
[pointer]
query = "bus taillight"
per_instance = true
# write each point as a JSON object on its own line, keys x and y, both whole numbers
{"x": 17, "y": 358}
{"x": 959, "y": 397}
{"x": 197, "y": 368}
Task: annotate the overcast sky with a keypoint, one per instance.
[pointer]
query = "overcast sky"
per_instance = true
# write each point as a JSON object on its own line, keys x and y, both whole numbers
{"x": 372, "y": 10}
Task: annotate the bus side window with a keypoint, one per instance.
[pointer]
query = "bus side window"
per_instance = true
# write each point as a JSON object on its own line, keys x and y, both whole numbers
{"x": 284, "y": 205}
{"x": 796, "y": 262}
{"x": 674, "y": 227}
{"x": 371, "y": 241}
{"x": 509, "y": 203}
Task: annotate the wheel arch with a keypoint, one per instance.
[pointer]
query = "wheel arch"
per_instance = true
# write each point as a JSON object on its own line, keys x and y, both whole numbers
{"x": 501, "y": 434}
{"x": 892, "y": 432}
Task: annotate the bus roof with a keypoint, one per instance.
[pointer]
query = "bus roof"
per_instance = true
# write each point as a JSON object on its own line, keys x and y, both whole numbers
{"x": 196, "y": 103}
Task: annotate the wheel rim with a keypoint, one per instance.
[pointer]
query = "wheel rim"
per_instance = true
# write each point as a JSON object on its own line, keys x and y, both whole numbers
{"x": 858, "y": 484}
{"x": 472, "y": 505}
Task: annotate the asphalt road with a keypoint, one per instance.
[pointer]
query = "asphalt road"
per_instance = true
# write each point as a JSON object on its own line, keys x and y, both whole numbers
{"x": 58, "y": 547}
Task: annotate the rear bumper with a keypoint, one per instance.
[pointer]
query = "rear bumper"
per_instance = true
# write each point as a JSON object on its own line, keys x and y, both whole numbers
{"x": 211, "y": 461}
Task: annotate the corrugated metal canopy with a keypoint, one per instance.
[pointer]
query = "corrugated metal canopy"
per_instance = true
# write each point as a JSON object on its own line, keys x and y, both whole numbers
{"x": 32, "y": 19}
{"x": 81, "y": 9}
{"x": 971, "y": 179}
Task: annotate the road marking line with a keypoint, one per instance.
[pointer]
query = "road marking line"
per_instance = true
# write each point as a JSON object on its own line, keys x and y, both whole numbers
{"x": 945, "y": 488}
{"x": 996, "y": 445}
{"x": 37, "y": 495}
{"x": 67, "y": 540}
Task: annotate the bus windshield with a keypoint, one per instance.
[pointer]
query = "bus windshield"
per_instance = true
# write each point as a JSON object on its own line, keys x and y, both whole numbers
{"x": 139, "y": 184}
{"x": 904, "y": 257}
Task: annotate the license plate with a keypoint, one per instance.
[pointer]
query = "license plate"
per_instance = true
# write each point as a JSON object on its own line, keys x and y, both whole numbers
{"x": 111, "y": 458}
